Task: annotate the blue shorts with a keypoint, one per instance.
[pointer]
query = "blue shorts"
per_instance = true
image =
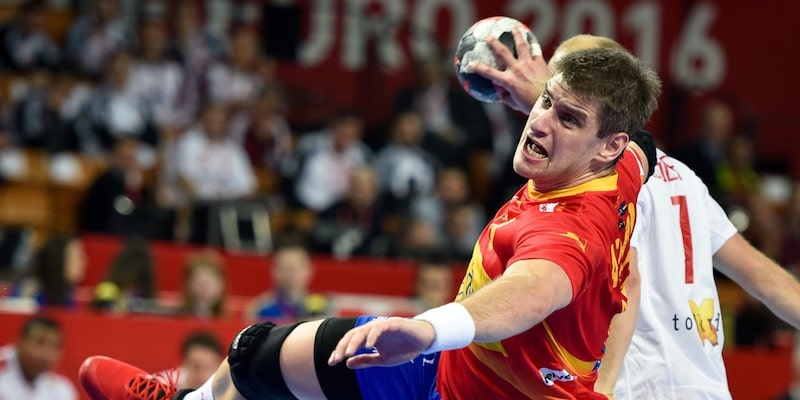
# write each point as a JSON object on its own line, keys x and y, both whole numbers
{"x": 414, "y": 380}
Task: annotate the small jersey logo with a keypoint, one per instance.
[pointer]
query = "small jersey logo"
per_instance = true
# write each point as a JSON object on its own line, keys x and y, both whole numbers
{"x": 550, "y": 376}
{"x": 548, "y": 207}
{"x": 704, "y": 321}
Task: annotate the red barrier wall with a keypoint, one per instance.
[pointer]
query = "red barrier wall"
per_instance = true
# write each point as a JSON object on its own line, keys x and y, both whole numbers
{"x": 248, "y": 274}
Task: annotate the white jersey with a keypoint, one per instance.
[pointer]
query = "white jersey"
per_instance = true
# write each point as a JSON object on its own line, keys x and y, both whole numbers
{"x": 47, "y": 386}
{"x": 676, "y": 352}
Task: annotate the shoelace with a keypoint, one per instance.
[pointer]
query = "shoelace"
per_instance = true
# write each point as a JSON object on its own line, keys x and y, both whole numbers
{"x": 157, "y": 386}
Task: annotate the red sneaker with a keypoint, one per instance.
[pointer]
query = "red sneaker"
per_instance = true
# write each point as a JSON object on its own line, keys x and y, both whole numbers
{"x": 105, "y": 378}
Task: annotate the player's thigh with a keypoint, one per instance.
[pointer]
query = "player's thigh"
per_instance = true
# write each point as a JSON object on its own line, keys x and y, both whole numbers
{"x": 297, "y": 362}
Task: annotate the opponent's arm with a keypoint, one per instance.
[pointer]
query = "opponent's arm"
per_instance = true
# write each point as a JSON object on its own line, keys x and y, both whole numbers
{"x": 620, "y": 333}
{"x": 761, "y": 277}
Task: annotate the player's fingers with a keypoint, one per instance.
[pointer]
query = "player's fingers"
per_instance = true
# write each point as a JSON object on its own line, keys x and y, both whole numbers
{"x": 501, "y": 52}
{"x": 526, "y": 52}
{"x": 521, "y": 44}
{"x": 356, "y": 342}
{"x": 372, "y": 336}
{"x": 484, "y": 70}
{"x": 345, "y": 343}
{"x": 363, "y": 361}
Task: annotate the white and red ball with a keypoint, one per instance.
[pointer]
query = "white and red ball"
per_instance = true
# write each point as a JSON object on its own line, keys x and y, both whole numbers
{"x": 473, "y": 47}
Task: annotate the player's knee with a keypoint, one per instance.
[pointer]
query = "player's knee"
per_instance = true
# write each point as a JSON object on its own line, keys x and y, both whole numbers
{"x": 254, "y": 359}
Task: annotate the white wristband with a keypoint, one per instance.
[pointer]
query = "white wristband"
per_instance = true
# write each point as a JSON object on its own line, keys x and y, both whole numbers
{"x": 453, "y": 325}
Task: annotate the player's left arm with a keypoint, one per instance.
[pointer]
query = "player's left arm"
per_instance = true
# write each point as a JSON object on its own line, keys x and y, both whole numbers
{"x": 620, "y": 333}
{"x": 761, "y": 277}
{"x": 526, "y": 293}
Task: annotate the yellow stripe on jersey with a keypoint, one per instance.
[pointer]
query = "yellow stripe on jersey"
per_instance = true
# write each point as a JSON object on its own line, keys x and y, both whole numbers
{"x": 475, "y": 279}
{"x": 604, "y": 184}
{"x": 492, "y": 230}
{"x": 572, "y": 364}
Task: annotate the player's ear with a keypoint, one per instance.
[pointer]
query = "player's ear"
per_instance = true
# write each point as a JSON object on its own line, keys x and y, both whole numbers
{"x": 614, "y": 146}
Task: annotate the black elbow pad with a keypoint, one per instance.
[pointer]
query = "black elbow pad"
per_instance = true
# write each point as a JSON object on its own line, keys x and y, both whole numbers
{"x": 645, "y": 141}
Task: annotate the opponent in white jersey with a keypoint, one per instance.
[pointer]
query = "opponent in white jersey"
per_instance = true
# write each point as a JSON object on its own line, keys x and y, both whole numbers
{"x": 676, "y": 351}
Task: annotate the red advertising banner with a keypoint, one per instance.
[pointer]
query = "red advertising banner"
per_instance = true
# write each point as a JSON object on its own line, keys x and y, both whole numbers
{"x": 358, "y": 53}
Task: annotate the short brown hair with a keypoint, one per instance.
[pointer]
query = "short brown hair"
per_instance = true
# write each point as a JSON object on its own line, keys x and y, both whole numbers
{"x": 626, "y": 88}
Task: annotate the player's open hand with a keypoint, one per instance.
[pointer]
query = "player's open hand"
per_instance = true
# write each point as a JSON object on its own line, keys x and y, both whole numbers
{"x": 523, "y": 79}
{"x": 391, "y": 341}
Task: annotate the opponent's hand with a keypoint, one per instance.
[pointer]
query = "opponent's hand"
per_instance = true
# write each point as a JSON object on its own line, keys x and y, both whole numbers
{"x": 393, "y": 341}
{"x": 524, "y": 77}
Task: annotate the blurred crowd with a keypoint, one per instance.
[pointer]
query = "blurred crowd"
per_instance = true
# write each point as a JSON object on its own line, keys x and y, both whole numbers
{"x": 187, "y": 123}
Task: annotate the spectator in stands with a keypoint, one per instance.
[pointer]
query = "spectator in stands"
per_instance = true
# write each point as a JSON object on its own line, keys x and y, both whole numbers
{"x": 121, "y": 202}
{"x": 129, "y": 285}
{"x": 737, "y": 178}
{"x": 418, "y": 238}
{"x": 24, "y": 43}
{"x": 708, "y": 152}
{"x": 112, "y": 111}
{"x": 238, "y": 79}
{"x": 355, "y": 224}
{"x": 322, "y": 162}
{"x": 160, "y": 81}
{"x": 44, "y": 105}
{"x": 455, "y": 123}
{"x": 204, "y": 286}
{"x": 290, "y": 298}
{"x": 267, "y": 135}
{"x": 434, "y": 283}
{"x": 211, "y": 166}
{"x": 27, "y": 367}
{"x": 455, "y": 216}
{"x": 45, "y": 112}
{"x": 192, "y": 44}
{"x": 95, "y": 35}
{"x": 201, "y": 353}
{"x": 460, "y": 231}
{"x": 207, "y": 168}
{"x": 37, "y": 121}
{"x": 57, "y": 267}
{"x": 404, "y": 169}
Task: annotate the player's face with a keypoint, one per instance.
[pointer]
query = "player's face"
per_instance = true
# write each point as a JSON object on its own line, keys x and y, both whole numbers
{"x": 559, "y": 147}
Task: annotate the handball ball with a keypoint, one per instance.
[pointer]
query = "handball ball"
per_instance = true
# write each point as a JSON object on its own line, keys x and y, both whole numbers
{"x": 472, "y": 47}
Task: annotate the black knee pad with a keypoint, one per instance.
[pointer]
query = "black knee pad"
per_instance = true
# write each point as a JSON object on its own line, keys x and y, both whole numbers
{"x": 254, "y": 359}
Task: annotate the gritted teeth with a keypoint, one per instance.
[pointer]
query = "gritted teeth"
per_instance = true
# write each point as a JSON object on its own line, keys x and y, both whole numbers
{"x": 535, "y": 149}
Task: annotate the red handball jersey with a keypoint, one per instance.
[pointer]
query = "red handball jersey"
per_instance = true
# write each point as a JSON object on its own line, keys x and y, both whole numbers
{"x": 586, "y": 230}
